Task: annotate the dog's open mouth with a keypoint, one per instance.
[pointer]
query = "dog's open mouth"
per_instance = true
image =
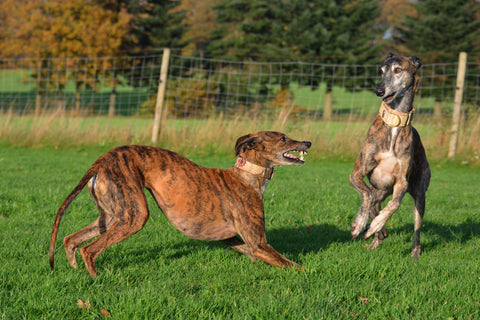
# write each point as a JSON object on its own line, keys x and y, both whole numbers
{"x": 291, "y": 157}
{"x": 389, "y": 98}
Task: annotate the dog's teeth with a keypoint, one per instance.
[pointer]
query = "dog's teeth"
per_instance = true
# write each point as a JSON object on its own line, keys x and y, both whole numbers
{"x": 302, "y": 153}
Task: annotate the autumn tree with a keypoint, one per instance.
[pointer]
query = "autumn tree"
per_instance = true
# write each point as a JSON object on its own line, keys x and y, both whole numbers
{"x": 61, "y": 29}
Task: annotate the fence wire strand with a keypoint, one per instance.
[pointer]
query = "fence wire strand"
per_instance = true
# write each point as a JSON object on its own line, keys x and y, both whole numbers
{"x": 200, "y": 88}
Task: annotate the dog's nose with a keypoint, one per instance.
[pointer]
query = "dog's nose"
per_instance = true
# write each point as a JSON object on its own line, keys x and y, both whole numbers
{"x": 379, "y": 91}
{"x": 307, "y": 143}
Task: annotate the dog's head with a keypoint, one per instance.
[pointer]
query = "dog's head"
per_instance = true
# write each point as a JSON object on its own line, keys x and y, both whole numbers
{"x": 271, "y": 149}
{"x": 398, "y": 77}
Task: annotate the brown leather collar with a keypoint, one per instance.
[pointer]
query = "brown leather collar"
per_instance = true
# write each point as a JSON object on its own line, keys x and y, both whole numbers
{"x": 252, "y": 168}
{"x": 394, "y": 118}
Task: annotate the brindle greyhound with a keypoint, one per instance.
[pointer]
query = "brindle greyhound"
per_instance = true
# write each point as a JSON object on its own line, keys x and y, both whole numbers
{"x": 392, "y": 157}
{"x": 205, "y": 204}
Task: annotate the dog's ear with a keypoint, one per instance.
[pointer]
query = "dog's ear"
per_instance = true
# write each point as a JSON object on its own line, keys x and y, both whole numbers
{"x": 245, "y": 143}
{"x": 390, "y": 55}
{"x": 415, "y": 61}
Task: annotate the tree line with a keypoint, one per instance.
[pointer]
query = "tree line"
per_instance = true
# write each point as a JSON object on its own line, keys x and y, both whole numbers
{"x": 327, "y": 31}
{"x": 355, "y": 32}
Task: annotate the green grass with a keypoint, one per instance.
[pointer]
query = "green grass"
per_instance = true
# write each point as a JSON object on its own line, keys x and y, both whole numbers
{"x": 161, "y": 274}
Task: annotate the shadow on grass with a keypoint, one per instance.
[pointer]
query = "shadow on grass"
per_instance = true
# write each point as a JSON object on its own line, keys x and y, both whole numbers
{"x": 311, "y": 238}
{"x": 435, "y": 235}
{"x": 290, "y": 241}
{"x": 297, "y": 241}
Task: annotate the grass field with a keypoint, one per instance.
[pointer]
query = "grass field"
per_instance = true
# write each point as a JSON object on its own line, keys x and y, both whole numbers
{"x": 161, "y": 274}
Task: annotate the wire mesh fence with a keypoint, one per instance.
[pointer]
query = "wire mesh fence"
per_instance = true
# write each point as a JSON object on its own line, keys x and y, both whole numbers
{"x": 199, "y": 88}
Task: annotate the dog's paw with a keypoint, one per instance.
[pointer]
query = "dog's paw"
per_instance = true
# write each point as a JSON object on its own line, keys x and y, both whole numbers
{"x": 358, "y": 226}
{"x": 416, "y": 252}
{"x": 375, "y": 243}
{"x": 300, "y": 268}
{"x": 374, "y": 227}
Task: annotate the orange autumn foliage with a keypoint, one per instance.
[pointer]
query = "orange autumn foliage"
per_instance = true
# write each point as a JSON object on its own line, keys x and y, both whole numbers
{"x": 60, "y": 29}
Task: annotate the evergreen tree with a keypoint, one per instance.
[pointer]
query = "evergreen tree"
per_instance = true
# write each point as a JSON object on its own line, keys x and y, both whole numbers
{"x": 441, "y": 29}
{"x": 437, "y": 33}
{"x": 333, "y": 31}
{"x": 154, "y": 25}
{"x": 245, "y": 30}
{"x": 325, "y": 31}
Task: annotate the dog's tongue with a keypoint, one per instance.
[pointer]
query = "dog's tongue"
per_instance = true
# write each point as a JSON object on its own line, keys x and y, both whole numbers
{"x": 289, "y": 155}
{"x": 292, "y": 156}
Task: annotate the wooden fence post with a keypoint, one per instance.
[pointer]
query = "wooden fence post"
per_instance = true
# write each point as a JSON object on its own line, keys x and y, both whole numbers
{"x": 160, "y": 96}
{"x": 39, "y": 94}
{"x": 462, "y": 66}
{"x": 113, "y": 93}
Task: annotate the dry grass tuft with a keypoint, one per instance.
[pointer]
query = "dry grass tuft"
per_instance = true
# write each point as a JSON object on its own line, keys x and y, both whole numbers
{"x": 340, "y": 140}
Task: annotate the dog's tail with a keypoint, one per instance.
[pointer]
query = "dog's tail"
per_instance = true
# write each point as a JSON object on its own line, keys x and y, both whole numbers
{"x": 90, "y": 173}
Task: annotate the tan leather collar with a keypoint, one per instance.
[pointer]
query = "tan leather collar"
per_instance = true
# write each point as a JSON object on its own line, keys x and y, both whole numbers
{"x": 252, "y": 168}
{"x": 394, "y": 118}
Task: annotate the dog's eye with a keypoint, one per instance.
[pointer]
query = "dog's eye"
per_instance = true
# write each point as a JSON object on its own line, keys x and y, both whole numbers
{"x": 283, "y": 139}
{"x": 397, "y": 70}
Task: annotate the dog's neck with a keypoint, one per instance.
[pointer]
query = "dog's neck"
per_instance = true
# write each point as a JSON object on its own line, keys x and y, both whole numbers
{"x": 403, "y": 101}
{"x": 242, "y": 164}
{"x": 395, "y": 118}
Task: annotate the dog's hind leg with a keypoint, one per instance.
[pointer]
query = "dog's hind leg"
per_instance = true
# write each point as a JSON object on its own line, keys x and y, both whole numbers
{"x": 240, "y": 246}
{"x": 75, "y": 240}
{"x": 418, "y": 213}
{"x": 128, "y": 224}
{"x": 418, "y": 185}
{"x": 126, "y": 202}
{"x": 100, "y": 225}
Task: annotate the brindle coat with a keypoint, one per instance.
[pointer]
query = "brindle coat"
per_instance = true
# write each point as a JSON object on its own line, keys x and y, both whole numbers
{"x": 393, "y": 158}
{"x": 205, "y": 204}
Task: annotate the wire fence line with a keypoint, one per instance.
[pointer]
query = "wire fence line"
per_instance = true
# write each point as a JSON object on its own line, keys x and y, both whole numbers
{"x": 199, "y": 88}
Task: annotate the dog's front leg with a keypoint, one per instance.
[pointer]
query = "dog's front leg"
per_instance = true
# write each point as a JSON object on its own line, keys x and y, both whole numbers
{"x": 240, "y": 246}
{"x": 265, "y": 252}
{"x": 368, "y": 198}
{"x": 399, "y": 190}
{"x": 251, "y": 228}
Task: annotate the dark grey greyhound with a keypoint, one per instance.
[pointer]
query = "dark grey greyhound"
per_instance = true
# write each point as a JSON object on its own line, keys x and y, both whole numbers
{"x": 392, "y": 157}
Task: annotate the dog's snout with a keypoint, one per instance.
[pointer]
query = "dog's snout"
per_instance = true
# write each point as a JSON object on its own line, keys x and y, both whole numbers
{"x": 307, "y": 143}
{"x": 380, "y": 90}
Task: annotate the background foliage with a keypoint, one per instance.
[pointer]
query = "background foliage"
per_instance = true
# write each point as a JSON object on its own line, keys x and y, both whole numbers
{"x": 285, "y": 30}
